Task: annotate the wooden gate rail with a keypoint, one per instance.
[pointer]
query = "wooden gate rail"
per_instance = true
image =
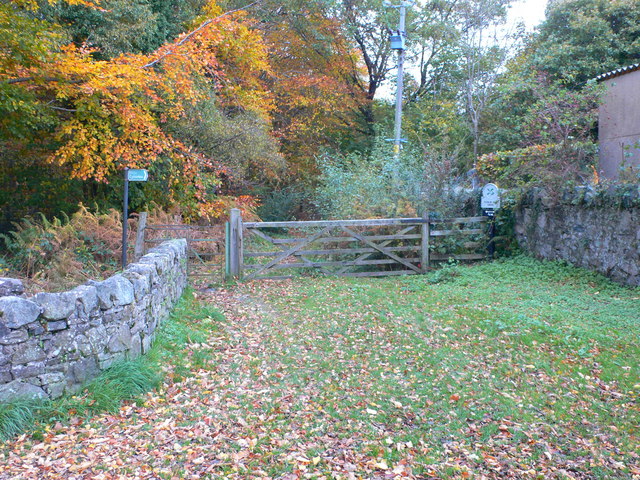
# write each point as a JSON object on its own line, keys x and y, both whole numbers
{"x": 296, "y": 252}
{"x": 378, "y": 222}
{"x": 364, "y": 223}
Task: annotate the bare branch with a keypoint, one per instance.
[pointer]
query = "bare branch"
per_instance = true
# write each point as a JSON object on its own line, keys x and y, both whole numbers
{"x": 204, "y": 25}
{"x": 12, "y": 81}
{"x": 19, "y": 80}
{"x": 53, "y": 107}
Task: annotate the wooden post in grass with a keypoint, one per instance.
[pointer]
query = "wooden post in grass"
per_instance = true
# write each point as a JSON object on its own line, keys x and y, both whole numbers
{"x": 424, "y": 253}
{"x": 235, "y": 243}
{"x": 227, "y": 251}
{"x": 240, "y": 229}
{"x": 138, "y": 251}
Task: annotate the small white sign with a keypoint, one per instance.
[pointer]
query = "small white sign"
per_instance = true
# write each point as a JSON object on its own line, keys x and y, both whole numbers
{"x": 490, "y": 197}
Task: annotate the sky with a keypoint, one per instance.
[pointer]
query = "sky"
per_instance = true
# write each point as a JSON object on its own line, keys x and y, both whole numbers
{"x": 531, "y": 12}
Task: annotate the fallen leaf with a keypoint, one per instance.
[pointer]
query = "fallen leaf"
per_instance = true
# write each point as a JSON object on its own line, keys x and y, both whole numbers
{"x": 381, "y": 464}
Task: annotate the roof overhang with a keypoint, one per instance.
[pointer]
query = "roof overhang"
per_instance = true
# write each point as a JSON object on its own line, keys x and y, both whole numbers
{"x": 618, "y": 72}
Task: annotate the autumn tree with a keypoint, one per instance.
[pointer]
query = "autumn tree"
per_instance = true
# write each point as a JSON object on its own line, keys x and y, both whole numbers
{"x": 314, "y": 75}
{"x": 93, "y": 116}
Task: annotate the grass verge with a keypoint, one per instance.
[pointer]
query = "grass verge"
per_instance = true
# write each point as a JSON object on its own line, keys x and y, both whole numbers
{"x": 172, "y": 356}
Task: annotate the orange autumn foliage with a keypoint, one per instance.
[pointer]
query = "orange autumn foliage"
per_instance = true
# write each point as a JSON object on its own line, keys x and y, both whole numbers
{"x": 110, "y": 114}
{"x": 315, "y": 92}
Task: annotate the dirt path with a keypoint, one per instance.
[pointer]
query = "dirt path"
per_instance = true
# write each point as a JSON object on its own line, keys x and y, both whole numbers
{"x": 232, "y": 421}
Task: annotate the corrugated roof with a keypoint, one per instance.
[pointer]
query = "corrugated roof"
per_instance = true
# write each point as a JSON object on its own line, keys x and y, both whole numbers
{"x": 618, "y": 72}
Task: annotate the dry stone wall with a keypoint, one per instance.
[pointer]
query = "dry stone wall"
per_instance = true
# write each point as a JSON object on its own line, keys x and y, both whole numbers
{"x": 597, "y": 230}
{"x": 52, "y": 343}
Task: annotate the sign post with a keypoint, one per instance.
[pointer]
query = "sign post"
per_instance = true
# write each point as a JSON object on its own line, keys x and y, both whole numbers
{"x": 489, "y": 203}
{"x": 130, "y": 175}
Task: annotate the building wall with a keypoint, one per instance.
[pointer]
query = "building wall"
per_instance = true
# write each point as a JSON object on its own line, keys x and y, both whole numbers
{"x": 619, "y": 124}
{"x": 53, "y": 343}
{"x": 599, "y": 231}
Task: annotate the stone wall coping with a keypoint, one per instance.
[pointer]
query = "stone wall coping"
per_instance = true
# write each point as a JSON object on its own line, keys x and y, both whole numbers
{"x": 51, "y": 343}
{"x": 618, "y": 196}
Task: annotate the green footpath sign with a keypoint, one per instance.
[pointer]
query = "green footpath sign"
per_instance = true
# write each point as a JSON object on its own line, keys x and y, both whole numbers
{"x": 137, "y": 175}
{"x": 130, "y": 175}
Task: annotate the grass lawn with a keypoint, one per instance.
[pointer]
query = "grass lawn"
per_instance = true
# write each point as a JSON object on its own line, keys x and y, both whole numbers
{"x": 514, "y": 369}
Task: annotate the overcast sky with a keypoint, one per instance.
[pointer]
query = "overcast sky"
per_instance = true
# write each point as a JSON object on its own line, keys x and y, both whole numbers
{"x": 531, "y": 12}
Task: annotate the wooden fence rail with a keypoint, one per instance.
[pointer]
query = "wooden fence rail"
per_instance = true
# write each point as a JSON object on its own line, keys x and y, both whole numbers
{"x": 205, "y": 245}
{"x": 355, "y": 248}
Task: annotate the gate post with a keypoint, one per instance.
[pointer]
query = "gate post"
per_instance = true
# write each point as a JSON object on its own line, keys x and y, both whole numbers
{"x": 235, "y": 243}
{"x": 426, "y": 233}
{"x": 138, "y": 251}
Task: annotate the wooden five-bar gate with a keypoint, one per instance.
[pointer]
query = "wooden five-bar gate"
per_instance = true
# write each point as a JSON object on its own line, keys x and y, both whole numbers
{"x": 350, "y": 248}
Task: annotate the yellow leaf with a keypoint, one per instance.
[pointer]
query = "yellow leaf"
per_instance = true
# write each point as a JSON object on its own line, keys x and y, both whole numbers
{"x": 382, "y": 465}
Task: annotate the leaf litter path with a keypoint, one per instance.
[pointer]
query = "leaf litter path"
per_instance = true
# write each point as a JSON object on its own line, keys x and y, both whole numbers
{"x": 229, "y": 421}
{"x": 288, "y": 396}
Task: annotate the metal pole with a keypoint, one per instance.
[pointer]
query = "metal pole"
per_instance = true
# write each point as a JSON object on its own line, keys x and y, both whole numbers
{"x": 399, "y": 92}
{"x": 125, "y": 216}
{"x": 492, "y": 237}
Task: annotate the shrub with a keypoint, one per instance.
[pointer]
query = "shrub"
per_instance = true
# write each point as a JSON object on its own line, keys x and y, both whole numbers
{"x": 282, "y": 205}
{"x": 550, "y": 164}
{"x": 446, "y": 273}
{"x": 64, "y": 251}
{"x": 380, "y": 185}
